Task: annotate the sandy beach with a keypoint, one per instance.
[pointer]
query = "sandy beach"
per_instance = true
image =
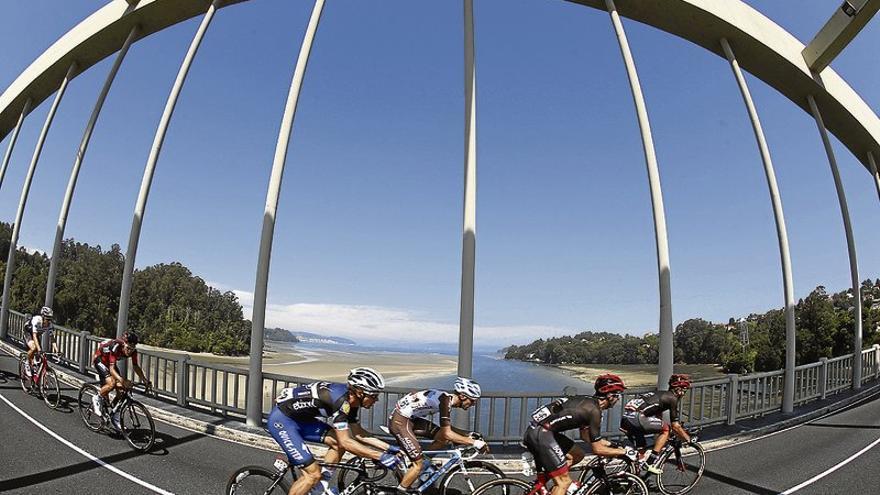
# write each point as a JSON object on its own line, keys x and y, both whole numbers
{"x": 639, "y": 375}
{"x": 333, "y": 365}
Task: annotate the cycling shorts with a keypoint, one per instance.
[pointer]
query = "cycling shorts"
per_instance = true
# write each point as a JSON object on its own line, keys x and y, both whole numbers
{"x": 104, "y": 371}
{"x": 408, "y": 430}
{"x": 549, "y": 449}
{"x": 292, "y": 435}
{"x": 636, "y": 426}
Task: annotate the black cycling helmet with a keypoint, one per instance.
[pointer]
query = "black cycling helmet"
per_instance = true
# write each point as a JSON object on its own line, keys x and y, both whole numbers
{"x": 131, "y": 338}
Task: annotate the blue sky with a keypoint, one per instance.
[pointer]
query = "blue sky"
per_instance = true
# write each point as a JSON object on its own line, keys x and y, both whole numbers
{"x": 368, "y": 234}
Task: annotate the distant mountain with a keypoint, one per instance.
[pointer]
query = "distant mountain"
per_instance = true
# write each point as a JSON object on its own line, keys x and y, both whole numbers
{"x": 280, "y": 335}
{"x": 315, "y": 338}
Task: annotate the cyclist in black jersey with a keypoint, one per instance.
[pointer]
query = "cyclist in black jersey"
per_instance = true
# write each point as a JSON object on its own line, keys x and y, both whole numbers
{"x": 644, "y": 416}
{"x": 554, "y": 452}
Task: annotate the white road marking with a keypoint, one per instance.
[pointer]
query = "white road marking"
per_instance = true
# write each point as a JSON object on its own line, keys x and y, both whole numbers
{"x": 94, "y": 459}
{"x": 831, "y": 470}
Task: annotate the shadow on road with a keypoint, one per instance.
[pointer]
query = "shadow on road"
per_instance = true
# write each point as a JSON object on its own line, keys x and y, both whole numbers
{"x": 855, "y": 427}
{"x": 167, "y": 442}
{"x": 742, "y": 485}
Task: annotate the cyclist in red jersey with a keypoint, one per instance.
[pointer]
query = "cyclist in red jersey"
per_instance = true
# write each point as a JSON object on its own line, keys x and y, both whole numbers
{"x": 104, "y": 360}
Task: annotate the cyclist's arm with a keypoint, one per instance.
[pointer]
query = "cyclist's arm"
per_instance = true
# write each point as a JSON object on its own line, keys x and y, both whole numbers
{"x": 592, "y": 435}
{"x": 351, "y": 444}
{"x": 680, "y": 432}
{"x": 363, "y": 436}
{"x": 448, "y": 434}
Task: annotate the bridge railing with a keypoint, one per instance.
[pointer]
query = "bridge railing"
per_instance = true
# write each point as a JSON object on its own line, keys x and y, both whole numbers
{"x": 501, "y": 415}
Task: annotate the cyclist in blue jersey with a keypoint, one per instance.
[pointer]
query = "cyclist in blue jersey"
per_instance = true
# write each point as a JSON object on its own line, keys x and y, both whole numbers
{"x": 328, "y": 413}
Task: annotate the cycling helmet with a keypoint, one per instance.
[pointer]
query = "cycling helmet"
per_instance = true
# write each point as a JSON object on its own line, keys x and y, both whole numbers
{"x": 680, "y": 380}
{"x": 366, "y": 379}
{"x": 608, "y": 384}
{"x": 131, "y": 338}
{"x": 468, "y": 387}
{"x": 46, "y": 312}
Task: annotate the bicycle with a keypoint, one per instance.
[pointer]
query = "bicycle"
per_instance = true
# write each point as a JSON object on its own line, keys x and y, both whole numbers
{"x": 678, "y": 477}
{"x": 42, "y": 378}
{"x": 599, "y": 482}
{"x": 460, "y": 474}
{"x": 256, "y": 480}
{"x": 136, "y": 423}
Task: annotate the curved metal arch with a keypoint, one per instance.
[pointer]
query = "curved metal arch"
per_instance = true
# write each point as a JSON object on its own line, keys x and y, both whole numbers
{"x": 763, "y": 48}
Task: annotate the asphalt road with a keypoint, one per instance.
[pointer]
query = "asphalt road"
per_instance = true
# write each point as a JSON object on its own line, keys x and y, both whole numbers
{"x": 34, "y": 461}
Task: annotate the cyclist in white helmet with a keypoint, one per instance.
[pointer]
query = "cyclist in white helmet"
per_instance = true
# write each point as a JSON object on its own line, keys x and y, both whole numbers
{"x": 409, "y": 421}
{"x": 325, "y": 412}
{"x": 39, "y": 323}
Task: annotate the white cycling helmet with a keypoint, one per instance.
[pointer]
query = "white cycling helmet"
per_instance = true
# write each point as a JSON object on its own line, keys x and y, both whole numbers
{"x": 46, "y": 312}
{"x": 468, "y": 387}
{"x": 366, "y": 379}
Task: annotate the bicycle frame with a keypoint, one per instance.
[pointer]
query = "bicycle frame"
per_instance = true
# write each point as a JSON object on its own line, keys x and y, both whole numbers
{"x": 455, "y": 459}
{"x": 38, "y": 374}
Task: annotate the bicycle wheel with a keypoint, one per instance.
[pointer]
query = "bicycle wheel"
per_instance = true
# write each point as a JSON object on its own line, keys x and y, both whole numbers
{"x": 26, "y": 381}
{"x": 375, "y": 474}
{"x": 93, "y": 421}
{"x": 621, "y": 483}
{"x": 137, "y": 426}
{"x": 585, "y": 473}
{"x": 504, "y": 486}
{"x": 465, "y": 480}
{"x": 50, "y": 389}
{"x": 254, "y": 480}
{"x": 680, "y": 474}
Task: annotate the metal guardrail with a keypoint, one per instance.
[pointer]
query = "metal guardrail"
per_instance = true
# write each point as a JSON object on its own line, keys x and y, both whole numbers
{"x": 500, "y": 416}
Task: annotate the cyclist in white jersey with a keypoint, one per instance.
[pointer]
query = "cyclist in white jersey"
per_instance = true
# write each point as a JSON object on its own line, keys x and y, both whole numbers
{"x": 409, "y": 421}
{"x": 39, "y": 324}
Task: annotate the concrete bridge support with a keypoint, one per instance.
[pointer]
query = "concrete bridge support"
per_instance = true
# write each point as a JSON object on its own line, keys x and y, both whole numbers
{"x": 666, "y": 337}
{"x": 25, "y": 191}
{"x": 781, "y": 234}
{"x": 254, "y": 407}
{"x": 850, "y": 243}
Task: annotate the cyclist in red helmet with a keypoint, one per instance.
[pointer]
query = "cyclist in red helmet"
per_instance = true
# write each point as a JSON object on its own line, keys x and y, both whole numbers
{"x": 554, "y": 452}
{"x": 644, "y": 416}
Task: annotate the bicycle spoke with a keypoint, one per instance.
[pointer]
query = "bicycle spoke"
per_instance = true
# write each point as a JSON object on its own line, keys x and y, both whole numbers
{"x": 255, "y": 481}
{"x": 680, "y": 474}
{"x": 93, "y": 421}
{"x": 50, "y": 389}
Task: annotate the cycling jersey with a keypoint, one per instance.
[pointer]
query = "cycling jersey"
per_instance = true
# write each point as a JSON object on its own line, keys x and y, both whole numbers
{"x": 426, "y": 403}
{"x": 110, "y": 351}
{"x": 321, "y": 400}
{"x": 305, "y": 413}
{"x": 36, "y": 326}
{"x": 544, "y": 438}
{"x": 644, "y": 415}
{"x": 570, "y": 413}
{"x": 653, "y": 404}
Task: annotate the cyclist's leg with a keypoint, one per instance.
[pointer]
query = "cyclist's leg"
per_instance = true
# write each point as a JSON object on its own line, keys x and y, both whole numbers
{"x": 286, "y": 432}
{"x": 405, "y": 431}
{"x": 630, "y": 426}
{"x": 32, "y": 349}
{"x": 550, "y": 456}
{"x": 660, "y": 429}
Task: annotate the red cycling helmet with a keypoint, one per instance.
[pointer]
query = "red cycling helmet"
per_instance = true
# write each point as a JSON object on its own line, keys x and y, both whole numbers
{"x": 608, "y": 384}
{"x": 680, "y": 380}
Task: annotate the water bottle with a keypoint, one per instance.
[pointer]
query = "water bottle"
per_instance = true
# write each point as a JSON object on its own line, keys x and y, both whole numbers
{"x": 528, "y": 464}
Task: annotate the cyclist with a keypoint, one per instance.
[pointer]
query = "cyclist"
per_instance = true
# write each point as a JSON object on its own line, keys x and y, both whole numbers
{"x": 104, "y": 361}
{"x": 409, "y": 421}
{"x": 328, "y": 413}
{"x": 39, "y": 323}
{"x": 554, "y": 452}
{"x": 644, "y": 416}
